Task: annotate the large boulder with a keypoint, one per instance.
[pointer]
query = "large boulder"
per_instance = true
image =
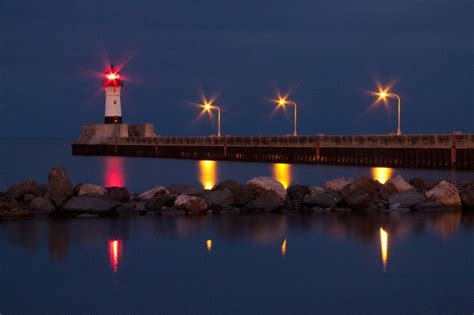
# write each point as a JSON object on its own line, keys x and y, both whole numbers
{"x": 269, "y": 200}
{"x": 328, "y": 199}
{"x": 261, "y": 184}
{"x": 445, "y": 193}
{"x": 91, "y": 189}
{"x": 337, "y": 184}
{"x": 241, "y": 193}
{"x": 60, "y": 188}
{"x": 183, "y": 190}
{"x": 405, "y": 199}
{"x": 154, "y": 192}
{"x": 41, "y": 205}
{"x": 7, "y": 203}
{"x": 131, "y": 207}
{"x": 118, "y": 193}
{"x": 297, "y": 192}
{"x": 90, "y": 205}
{"x": 159, "y": 201}
{"x": 398, "y": 184}
{"x": 467, "y": 195}
{"x": 418, "y": 183}
{"x": 432, "y": 206}
{"x": 359, "y": 200}
{"x": 362, "y": 183}
{"x": 218, "y": 198}
{"x": 191, "y": 204}
{"x": 27, "y": 187}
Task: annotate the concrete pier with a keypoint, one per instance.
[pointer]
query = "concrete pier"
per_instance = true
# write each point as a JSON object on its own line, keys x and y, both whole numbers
{"x": 425, "y": 151}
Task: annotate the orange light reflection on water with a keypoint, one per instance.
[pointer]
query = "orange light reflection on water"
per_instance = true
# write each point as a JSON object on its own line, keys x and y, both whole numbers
{"x": 282, "y": 172}
{"x": 384, "y": 247}
{"x": 208, "y": 173}
{"x": 114, "y": 172}
{"x": 381, "y": 174}
{"x": 115, "y": 249}
{"x": 283, "y": 248}
{"x": 209, "y": 245}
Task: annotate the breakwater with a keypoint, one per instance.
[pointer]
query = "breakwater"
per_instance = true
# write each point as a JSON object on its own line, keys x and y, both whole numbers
{"x": 423, "y": 151}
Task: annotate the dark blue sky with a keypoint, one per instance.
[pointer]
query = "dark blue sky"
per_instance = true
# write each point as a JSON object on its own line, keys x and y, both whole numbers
{"x": 330, "y": 51}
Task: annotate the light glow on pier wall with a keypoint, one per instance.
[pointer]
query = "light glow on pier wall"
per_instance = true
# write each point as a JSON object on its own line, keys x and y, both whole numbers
{"x": 208, "y": 173}
{"x": 282, "y": 172}
{"x": 384, "y": 247}
{"x": 115, "y": 249}
{"x": 114, "y": 172}
{"x": 381, "y": 174}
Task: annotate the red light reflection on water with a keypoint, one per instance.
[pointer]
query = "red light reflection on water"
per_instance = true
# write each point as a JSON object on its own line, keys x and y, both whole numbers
{"x": 114, "y": 172}
{"x": 115, "y": 251}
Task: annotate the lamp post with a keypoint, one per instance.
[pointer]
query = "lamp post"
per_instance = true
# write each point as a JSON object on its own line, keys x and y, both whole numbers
{"x": 282, "y": 102}
{"x": 208, "y": 107}
{"x": 384, "y": 95}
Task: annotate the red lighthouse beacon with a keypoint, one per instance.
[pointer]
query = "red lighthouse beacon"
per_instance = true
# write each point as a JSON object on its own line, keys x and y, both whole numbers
{"x": 113, "y": 86}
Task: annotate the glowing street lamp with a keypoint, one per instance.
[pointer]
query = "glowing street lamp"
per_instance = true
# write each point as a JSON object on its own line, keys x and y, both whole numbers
{"x": 207, "y": 107}
{"x": 282, "y": 102}
{"x": 383, "y": 95}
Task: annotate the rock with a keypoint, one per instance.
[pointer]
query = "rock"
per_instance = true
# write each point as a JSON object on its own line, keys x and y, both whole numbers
{"x": 358, "y": 200}
{"x": 159, "y": 201}
{"x": 316, "y": 190}
{"x": 445, "y": 193}
{"x": 90, "y": 205}
{"x": 262, "y": 184}
{"x": 269, "y": 200}
{"x": 191, "y": 204}
{"x": 219, "y": 197}
{"x": 184, "y": 190}
{"x": 241, "y": 193}
{"x": 226, "y": 209}
{"x": 297, "y": 192}
{"x": 18, "y": 191}
{"x": 418, "y": 183}
{"x": 362, "y": 183}
{"x": 328, "y": 199}
{"x": 318, "y": 209}
{"x": 8, "y": 203}
{"x": 76, "y": 189}
{"x": 154, "y": 192}
{"x": 59, "y": 186}
{"x": 405, "y": 199}
{"x": 28, "y": 197}
{"x": 41, "y": 205}
{"x": 118, "y": 193}
{"x": 15, "y": 213}
{"x": 131, "y": 207}
{"x": 398, "y": 184}
{"x": 432, "y": 206}
{"x": 91, "y": 189}
{"x": 172, "y": 211}
{"x": 467, "y": 196}
{"x": 338, "y": 184}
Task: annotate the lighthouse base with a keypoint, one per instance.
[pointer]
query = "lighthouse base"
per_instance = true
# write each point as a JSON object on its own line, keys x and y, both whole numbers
{"x": 113, "y": 120}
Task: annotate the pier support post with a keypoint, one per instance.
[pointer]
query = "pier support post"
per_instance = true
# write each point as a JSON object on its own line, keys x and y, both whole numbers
{"x": 453, "y": 151}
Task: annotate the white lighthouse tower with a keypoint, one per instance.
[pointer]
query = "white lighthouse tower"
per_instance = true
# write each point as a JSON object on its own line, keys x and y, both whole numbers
{"x": 113, "y": 86}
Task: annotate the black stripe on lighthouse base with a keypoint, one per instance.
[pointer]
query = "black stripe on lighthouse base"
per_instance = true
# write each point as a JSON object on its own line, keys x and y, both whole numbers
{"x": 113, "y": 120}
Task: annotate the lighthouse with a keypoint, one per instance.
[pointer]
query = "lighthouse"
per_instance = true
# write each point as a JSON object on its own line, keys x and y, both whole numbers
{"x": 112, "y": 85}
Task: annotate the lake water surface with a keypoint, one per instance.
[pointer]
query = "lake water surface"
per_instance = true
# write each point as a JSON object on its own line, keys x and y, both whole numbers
{"x": 228, "y": 264}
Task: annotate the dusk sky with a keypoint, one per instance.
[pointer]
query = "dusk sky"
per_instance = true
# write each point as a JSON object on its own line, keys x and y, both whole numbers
{"x": 328, "y": 52}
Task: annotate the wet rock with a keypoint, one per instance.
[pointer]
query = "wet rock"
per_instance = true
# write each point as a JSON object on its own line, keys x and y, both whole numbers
{"x": 318, "y": 209}
{"x": 131, "y": 207}
{"x": 297, "y": 192}
{"x": 328, "y": 199}
{"x": 184, "y": 190}
{"x": 262, "y": 184}
{"x": 91, "y": 189}
{"x": 445, "y": 193}
{"x": 159, "y": 201}
{"x": 241, "y": 193}
{"x": 172, "y": 211}
{"x": 226, "y": 209}
{"x": 120, "y": 194}
{"x": 219, "y": 197}
{"x": 191, "y": 204}
{"x": 405, "y": 199}
{"x": 41, "y": 205}
{"x": 398, "y": 184}
{"x": 30, "y": 187}
{"x": 418, "y": 183}
{"x": 432, "y": 206}
{"x": 338, "y": 184}
{"x": 59, "y": 187}
{"x": 90, "y": 205}
{"x": 269, "y": 200}
{"x": 154, "y": 192}
{"x": 358, "y": 200}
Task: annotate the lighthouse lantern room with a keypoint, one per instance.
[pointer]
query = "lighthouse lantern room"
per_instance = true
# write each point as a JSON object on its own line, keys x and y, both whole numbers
{"x": 112, "y": 85}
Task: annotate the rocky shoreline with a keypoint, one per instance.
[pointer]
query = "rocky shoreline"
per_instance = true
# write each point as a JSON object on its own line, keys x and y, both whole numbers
{"x": 60, "y": 198}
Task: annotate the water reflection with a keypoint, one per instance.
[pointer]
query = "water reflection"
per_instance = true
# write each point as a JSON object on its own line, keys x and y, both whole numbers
{"x": 115, "y": 248}
{"x": 282, "y": 173}
{"x": 209, "y": 245}
{"x": 208, "y": 173}
{"x": 114, "y": 172}
{"x": 384, "y": 247}
{"x": 283, "y": 248}
{"x": 381, "y": 174}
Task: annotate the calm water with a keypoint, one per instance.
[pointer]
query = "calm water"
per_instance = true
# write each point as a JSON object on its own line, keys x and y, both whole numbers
{"x": 244, "y": 264}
